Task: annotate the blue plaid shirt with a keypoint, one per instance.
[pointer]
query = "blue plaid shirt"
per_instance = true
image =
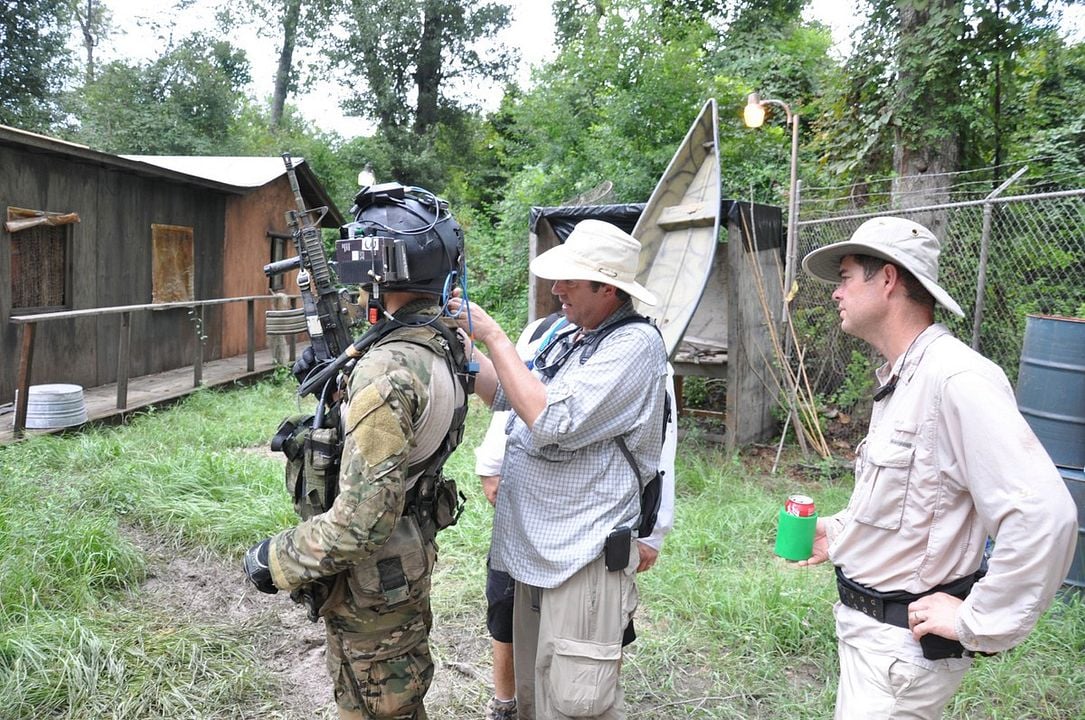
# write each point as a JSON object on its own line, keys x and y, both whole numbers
{"x": 565, "y": 484}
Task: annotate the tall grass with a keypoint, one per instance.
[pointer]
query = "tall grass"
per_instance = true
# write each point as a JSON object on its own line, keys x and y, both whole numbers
{"x": 69, "y": 648}
{"x": 726, "y": 629}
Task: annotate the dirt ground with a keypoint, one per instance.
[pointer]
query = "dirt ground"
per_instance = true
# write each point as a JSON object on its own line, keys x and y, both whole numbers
{"x": 200, "y": 588}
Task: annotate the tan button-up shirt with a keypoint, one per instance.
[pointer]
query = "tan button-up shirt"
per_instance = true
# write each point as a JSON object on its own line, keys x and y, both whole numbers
{"x": 947, "y": 462}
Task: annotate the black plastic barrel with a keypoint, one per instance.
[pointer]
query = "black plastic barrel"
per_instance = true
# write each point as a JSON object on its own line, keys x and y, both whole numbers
{"x": 1075, "y": 483}
{"x": 1051, "y": 386}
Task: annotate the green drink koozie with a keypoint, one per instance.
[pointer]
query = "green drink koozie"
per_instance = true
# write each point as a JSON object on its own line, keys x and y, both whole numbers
{"x": 795, "y": 536}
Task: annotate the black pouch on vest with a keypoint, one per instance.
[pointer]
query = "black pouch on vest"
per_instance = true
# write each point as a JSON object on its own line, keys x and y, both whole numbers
{"x": 616, "y": 549}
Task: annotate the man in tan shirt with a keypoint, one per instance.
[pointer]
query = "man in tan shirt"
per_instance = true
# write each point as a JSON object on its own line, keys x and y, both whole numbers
{"x": 948, "y": 461}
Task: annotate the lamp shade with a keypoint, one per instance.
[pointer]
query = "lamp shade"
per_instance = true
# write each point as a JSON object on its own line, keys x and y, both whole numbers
{"x": 754, "y": 113}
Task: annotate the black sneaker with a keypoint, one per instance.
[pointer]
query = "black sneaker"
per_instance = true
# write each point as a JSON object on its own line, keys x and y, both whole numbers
{"x": 501, "y": 709}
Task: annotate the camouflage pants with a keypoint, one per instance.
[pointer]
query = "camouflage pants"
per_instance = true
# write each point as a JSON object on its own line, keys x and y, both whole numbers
{"x": 383, "y": 675}
{"x": 378, "y": 636}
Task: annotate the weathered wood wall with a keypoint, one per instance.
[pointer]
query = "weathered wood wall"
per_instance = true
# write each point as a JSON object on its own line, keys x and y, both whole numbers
{"x": 249, "y": 219}
{"x": 110, "y": 263}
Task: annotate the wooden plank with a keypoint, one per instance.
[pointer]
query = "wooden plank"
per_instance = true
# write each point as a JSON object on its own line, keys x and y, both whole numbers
{"x": 197, "y": 365}
{"x": 26, "y": 359}
{"x": 157, "y": 389}
{"x": 251, "y": 355}
{"x": 118, "y": 309}
{"x": 123, "y": 349}
{"x": 683, "y": 217}
{"x": 751, "y": 391}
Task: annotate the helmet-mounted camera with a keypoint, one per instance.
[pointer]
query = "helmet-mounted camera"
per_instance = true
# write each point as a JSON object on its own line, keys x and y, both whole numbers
{"x": 402, "y": 238}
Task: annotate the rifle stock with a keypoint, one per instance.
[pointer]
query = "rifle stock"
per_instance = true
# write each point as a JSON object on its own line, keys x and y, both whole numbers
{"x": 25, "y": 223}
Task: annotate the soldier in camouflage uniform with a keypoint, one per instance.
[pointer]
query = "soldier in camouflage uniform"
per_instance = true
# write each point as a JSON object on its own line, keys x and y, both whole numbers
{"x": 372, "y": 552}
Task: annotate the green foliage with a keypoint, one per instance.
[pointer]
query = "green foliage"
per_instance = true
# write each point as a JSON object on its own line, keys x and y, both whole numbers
{"x": 858, "y": 381}
{"x": 34, "y": 62}
{"x": 419, "y": 48}
{"x": 180, "y": 104}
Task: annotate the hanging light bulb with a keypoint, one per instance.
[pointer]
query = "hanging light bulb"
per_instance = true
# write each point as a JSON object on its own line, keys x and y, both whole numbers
{"x": 754, "y": 112}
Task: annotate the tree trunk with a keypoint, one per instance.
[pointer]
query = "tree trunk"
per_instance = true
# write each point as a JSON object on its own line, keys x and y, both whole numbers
{"x": 427, "y": 76}
{"x": 284, "y": 73}
{"x": 926, "y": 139}
{"x": 86, "y": 25}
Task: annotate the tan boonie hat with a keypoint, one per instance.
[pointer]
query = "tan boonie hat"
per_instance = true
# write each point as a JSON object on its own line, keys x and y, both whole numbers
{"x": 902, "y": 242}
{"x": 596, "y": 251}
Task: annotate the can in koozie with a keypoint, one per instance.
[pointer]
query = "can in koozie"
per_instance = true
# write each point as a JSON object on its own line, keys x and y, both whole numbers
{"x": 799, "y": 505}
{"x": 795, "y": 528}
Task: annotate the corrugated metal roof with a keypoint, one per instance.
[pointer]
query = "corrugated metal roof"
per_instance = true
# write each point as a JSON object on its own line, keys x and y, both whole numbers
{"x": 248, "y": 172}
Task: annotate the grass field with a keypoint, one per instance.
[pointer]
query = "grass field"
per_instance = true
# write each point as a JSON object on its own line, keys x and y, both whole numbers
{"x": 726, "y": 630}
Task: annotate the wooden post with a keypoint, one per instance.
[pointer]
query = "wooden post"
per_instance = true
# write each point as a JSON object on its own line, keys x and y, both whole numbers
{"x": 250, "y": 363}
{"x": 197, "y": 364}
{"x": 293, "y": 339}
{"x": 751, "y": 396}
{"x": 123, "y": 348}
{"x": 26, "y": 359}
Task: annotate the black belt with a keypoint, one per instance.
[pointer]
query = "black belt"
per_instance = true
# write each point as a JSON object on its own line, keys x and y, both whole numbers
{"x": 892, "y": 608}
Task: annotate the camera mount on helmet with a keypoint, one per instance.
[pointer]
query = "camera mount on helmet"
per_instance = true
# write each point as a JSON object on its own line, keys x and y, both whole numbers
{"x": 403, "y": 239}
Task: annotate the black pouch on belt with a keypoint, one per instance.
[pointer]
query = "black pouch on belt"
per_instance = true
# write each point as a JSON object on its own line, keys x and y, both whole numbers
{"x": 936, "y": 647}
{"x": 616, "y": 549}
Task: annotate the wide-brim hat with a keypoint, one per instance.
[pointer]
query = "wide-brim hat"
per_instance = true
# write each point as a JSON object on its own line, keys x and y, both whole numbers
{"x": 596, "y": 251}
{"x": 900, "y": 241}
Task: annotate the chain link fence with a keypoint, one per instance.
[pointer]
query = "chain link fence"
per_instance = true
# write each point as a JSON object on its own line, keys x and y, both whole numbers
{"x": 1003, "y": 258}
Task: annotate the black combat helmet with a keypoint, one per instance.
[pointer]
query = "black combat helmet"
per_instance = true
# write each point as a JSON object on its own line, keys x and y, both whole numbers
{"x": 402, "y": 238}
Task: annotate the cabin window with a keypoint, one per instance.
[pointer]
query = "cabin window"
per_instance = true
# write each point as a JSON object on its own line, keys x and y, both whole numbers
{"x": 40, "y": 261}
{"x": 172, "y": 264}
{"x": 279, "y": 244}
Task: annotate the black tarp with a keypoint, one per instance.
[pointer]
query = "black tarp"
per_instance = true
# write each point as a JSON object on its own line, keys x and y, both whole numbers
{"x": 766, "y": 222}
{"x": 563, "y": 219}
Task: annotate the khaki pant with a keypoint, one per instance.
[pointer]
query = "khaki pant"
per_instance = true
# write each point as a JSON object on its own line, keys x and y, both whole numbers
{"x": 881, "y": 687}
{"x": 568, "y": 654}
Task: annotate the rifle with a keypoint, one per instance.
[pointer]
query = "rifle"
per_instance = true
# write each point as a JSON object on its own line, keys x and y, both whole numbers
{"x": 325, "y": 316}
{"x": 24, "y": 223}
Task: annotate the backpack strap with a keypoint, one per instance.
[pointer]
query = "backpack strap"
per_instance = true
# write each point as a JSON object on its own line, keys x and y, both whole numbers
{"x": 546, "y": 324}
{"x": 592, "y": 340}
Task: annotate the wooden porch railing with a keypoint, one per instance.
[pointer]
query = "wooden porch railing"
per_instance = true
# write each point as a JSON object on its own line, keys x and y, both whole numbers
{"x": 29, "y": 325}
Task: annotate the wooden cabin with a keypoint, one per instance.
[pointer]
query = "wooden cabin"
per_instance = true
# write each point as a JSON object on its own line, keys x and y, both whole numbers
{"x": 728, "y": 335}
{"x": 86, "y": 229}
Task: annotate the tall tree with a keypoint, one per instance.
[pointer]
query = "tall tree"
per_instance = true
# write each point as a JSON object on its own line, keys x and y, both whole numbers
{"x": 34, "y": 61}
{"x": 284, "y": 72}
{"x": 930, "y": 88}
{"x": 297, "y": 25}
{"x": 927, "y": 127}
{"x": 184, "y": 102}
{"x": 404, "y": 57}
{"x": 93, "y": 19}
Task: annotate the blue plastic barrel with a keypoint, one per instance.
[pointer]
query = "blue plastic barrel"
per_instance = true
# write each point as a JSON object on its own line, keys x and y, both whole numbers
{"x": 1075, "y": 483}
{"x": 1051, "y": 386}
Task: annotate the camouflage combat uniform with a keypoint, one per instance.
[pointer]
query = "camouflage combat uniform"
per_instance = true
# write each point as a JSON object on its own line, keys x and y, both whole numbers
{"x": 401, "y": 398}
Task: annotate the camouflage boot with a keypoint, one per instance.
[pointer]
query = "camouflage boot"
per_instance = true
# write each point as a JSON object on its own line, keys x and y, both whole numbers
{"x": 501, "y": 709}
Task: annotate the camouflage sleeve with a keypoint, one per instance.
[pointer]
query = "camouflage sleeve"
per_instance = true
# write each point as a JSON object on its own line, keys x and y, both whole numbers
{"x": 387, "y": 392}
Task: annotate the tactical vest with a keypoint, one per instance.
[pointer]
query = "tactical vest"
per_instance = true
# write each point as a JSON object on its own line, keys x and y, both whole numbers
{"x": 314, "y": 454}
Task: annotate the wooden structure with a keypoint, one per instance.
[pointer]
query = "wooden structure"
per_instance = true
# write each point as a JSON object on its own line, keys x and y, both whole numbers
{"x": 160, "y": 231}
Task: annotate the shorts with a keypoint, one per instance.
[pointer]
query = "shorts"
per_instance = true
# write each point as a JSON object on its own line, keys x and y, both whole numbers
{"x": 500, "y": 592}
